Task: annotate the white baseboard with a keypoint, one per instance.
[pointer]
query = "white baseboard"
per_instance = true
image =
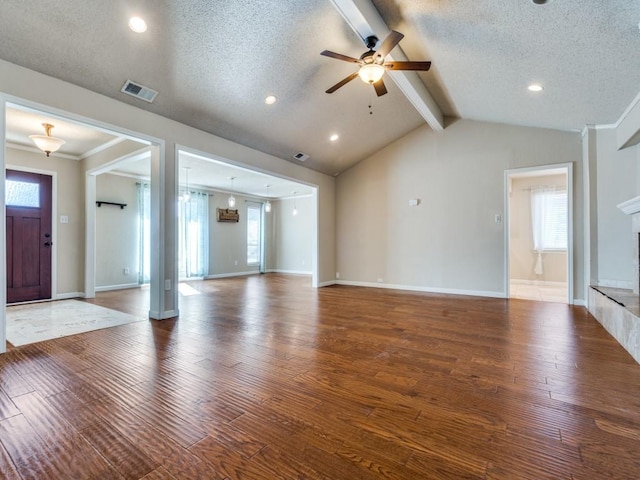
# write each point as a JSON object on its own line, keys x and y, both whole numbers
{"x": 579, "y": 302}
{"x": 233, "y": 274}
{"x": 289, "y": 272}
{"x": 69, "y": 295}
{"x": 327, "y": 284}
{"x": 413, "y": 288}
{"x": 615, "y": 284}
{"x": 123, "y": 286}
{"x": 538, "y": 283}
{"x": 164, "y": 315}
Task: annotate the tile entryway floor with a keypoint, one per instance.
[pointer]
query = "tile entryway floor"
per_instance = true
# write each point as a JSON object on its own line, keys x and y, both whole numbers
{"x": 35, "y": 322}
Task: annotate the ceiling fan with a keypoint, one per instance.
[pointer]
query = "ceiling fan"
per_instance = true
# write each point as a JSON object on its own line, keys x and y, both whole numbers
{"x": 372, "y": 64}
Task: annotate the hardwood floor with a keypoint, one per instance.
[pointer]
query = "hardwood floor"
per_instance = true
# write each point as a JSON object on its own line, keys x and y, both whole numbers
{"x": 264, "y": 377}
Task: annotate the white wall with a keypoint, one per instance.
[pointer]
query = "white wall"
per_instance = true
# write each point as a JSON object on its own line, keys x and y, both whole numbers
{"x": 522, "y": 257}
{"x": 116, "y": 231}
{"x": 617, "y": 181}
{"x": 449, "y": 242}
{"x": 68, "y": 241}
{"x": 293, "y": 235}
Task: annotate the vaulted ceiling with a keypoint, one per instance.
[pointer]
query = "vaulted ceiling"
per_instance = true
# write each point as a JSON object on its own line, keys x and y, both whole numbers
{"x": 213, "y": 64}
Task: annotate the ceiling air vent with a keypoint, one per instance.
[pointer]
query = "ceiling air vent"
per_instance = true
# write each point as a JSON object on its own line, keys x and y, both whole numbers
{"x": 301, "y": 156}
{"x": 139, "y": 91}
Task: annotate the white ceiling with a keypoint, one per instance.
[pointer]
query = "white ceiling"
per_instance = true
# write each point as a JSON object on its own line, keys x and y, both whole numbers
{"x": 214, "y": 63}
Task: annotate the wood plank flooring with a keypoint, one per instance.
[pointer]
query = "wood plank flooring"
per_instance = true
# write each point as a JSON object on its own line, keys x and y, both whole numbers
{"x": 264, "y": 377}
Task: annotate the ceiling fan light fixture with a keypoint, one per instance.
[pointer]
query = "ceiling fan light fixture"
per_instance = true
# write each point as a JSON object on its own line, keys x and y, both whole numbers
{"x": 371, "y": 73}
{"x": 534, "y": 87}
{"x": 137, "y": 25}
{"x": 47, "y": 143}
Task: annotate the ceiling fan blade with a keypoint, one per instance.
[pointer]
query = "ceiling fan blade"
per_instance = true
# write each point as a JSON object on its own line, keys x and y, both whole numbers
{"x": 423, "y": 66}
{"x": 342, "y": 82}
{"x": 388, "y": 43}
{"x": 339, "y": 56}
{"x": 380, "y": 88}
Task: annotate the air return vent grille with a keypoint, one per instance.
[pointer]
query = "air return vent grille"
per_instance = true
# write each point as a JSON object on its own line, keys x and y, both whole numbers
{"x": 301, "y": 156}
{"x": 139, "y": 91}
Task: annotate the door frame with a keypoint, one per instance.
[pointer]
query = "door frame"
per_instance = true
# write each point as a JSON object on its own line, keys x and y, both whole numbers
{"x": 54, "y": 224}
{"x": 568, "y": 168}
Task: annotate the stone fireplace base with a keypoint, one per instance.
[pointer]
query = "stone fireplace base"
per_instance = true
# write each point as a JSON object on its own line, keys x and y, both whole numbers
{"x": 618, "y": 311}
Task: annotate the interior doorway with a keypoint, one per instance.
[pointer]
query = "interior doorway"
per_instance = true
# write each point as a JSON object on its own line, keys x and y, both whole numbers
{"x": 539, "y": 233}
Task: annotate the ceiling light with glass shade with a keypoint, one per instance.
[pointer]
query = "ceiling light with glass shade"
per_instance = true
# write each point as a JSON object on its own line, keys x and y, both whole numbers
{"x": 267, "y": 206}
{"x": 371, "y": 73}
{"x": 47, "y": 143}
{"x": 231, "y": 201}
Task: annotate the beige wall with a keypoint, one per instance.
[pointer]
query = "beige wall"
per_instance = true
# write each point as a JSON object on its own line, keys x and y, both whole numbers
{"x": 116, "y": 231}
{"x": 68, "y": 241}
{"x": 449, "y": 242}
{"x": 522, "y": 257}
{"x": 228, "y": 241}
{"x": 293, "y": 235}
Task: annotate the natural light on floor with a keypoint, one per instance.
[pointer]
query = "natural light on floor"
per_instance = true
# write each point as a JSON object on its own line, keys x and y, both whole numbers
{"x": 187, "y": 290}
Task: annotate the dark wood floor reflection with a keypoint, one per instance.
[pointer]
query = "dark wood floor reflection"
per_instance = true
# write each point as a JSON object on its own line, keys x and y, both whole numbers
{"x": 264, "y": 378}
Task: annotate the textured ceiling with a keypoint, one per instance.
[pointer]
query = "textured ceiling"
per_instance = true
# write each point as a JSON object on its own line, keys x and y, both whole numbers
{"x": 213, "y": 64}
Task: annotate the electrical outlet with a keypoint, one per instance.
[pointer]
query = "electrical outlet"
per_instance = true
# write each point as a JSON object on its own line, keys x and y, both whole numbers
{"x": 380, "y": 280}
{"x": 167, "y": 284}
{"x": 337, "y": 274}
{"x": 125, "y": 270}
{"x": 235, "y": 262}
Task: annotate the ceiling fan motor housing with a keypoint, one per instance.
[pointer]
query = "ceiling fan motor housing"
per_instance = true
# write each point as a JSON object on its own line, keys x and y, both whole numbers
{"x": 371, "y": 42}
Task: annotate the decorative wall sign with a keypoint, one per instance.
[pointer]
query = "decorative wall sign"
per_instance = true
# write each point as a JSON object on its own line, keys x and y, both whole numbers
{"x": 228, "y": 215}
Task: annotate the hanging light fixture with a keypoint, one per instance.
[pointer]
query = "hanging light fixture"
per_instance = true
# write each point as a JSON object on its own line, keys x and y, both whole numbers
{"x": 267, "y": 206}
{"x": 232, "y": 200}
{"x": 295, "y": 209}
{"x": 47, "y": 143}
{"x": 186, "y": 196}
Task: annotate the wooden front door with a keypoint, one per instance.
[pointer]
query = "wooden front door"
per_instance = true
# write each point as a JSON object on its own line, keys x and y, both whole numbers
{"x": 28, "y": 197}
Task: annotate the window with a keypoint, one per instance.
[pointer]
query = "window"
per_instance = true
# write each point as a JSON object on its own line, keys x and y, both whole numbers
{"x": 549, "y": 219}
{"x": 253, "y": 234}
{"x": 22, "y": 194}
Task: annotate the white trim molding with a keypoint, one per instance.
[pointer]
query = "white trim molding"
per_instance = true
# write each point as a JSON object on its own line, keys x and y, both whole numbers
{"x": 630, "y": 207}
{"x": 122, "y": 286}
{"x": 414, "y": 288}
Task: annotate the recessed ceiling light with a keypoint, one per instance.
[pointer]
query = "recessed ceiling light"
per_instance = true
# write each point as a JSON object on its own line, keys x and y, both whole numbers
{"x": 534, "y": 87}
{"x": 540, "y": 2}
{"x": 270, "y": 100}
{"x": 137, "y": 24}
{"x": 334, "y": 137}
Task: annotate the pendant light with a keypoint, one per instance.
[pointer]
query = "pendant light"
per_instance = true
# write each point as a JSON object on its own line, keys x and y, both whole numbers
{"x": 186, "y": 196}
{"x": 47, "y": 143}
{"x": 231, "y": 200}
{"x": 267, "y": 206}
{"x": 295, "y": 209}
